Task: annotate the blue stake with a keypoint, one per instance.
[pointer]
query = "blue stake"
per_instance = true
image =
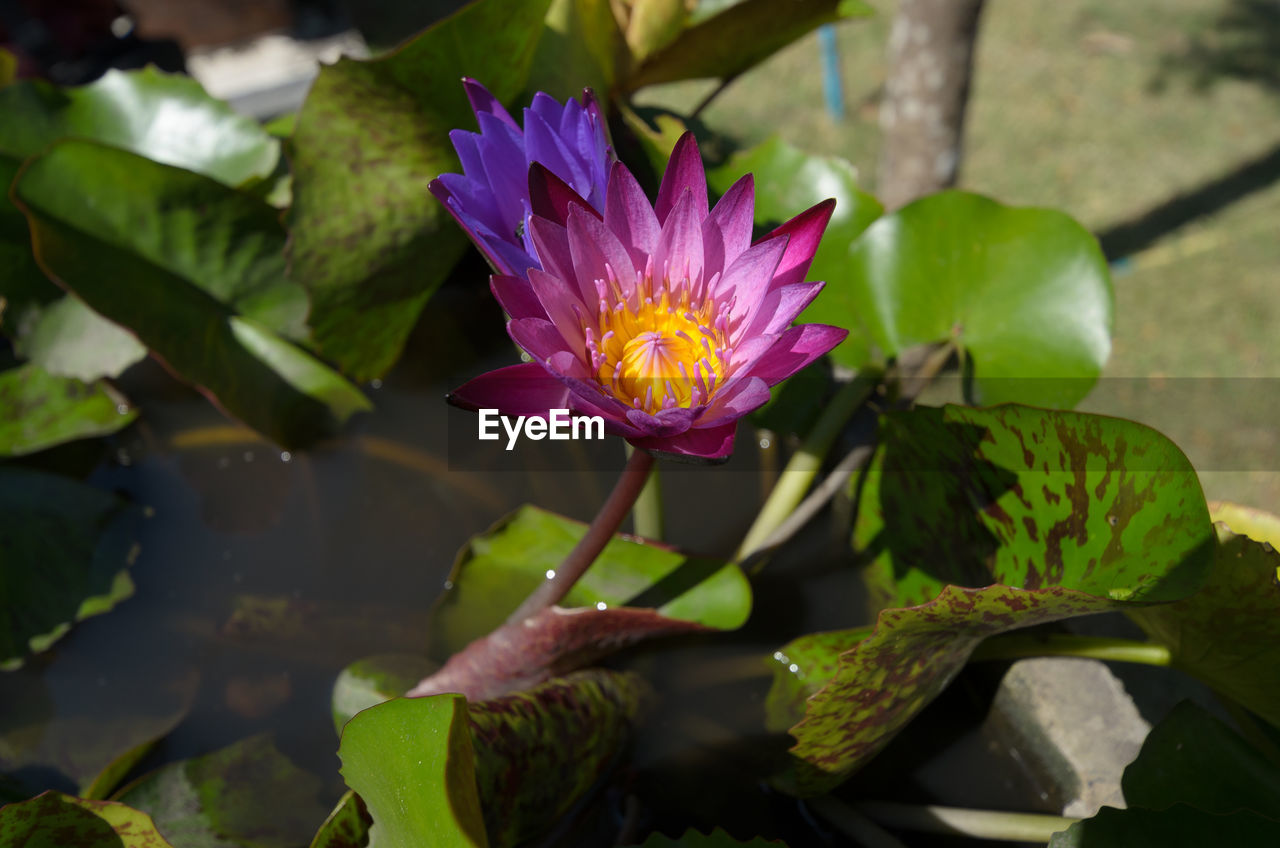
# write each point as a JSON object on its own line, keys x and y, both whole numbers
{"x": 832, "y": 85}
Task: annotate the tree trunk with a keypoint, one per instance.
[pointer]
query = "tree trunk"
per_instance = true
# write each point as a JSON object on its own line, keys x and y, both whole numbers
{"x": 922, "y": 115}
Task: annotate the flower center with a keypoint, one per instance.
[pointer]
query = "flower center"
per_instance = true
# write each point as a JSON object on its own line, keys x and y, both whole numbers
{"x": 658, "y": 349}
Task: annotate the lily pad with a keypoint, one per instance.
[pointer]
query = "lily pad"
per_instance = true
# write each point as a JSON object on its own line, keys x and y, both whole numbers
{"x": 498, "y": 569}
{"x": 197, "y": 275}
{"x": 581, "y": 47}
{"x": 369, "y": 242}
{"x": 1037, "y": 515}
{"x": 65, "y": 550}
{"x": 347, "y": 826}
{"x": 54, "y": 820}
{"x": 39, "y": 410}
{"x": 1023, "y": 293}
{"x": 1180, "y": 825}
{"x": 741, "y": 36}
{"x": 370, "y": 681}
{"x": 248, "y": 794}
{"x": 68, "y": 339}
{"x": 412, "y": 763}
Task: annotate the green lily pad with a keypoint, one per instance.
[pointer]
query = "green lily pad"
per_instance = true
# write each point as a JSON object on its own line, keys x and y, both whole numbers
{"x": 741, "y": 36}
{"x": 197, "y": 276}
{"x": 789, "y": 181}
{"x": 370, "y": 681}
{"x": 581, "y": 47}
{"x": 65, "y": 550}
{"x": 498, "y": 569}
{"x": 1037, "y": 515}
{"x": 347, "y": 826}
{"x": 1180, "y": 825}
{"x": 54, "y": 820}
{"x": 575, "y": 728}
{"x": 1023, "y": 293}
{"x": 412, "y": 763}
{"x": 369, "y": 242}
{"x": 248, "y": 795}
{"x": 39, "y": 410}
{"x": 1193, "y": 758}
{"x": 715, "y": 839}
{"x": 1228, "y": 633}
{"x": 68, "y": 339}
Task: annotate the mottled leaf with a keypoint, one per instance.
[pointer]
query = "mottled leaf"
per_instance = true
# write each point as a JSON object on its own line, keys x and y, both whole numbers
{"x": 65, "y": 549}
{"x": 248, "y": 794}
{"x": 39, "y": 410}
{"x": 1228, "y": 633}
{"x": 368, "y": 241}
{"x": 196, "y": 274}
{"x": 1193, "y": 758}
{"x": 743, "y": 35}
{"x": 1056, "y": 514}
{"x": 573, "y": 728}
{"x": 372, "y": 680}
{"x": 347, "y": 826}
{"x": 54, "y": 820}
{"x": 1023, "y": 293}
{"x": 1180, "y": 825}
{"x": 789, "y": 181}
{"x": 412, "y": 763}
{"x": 715, "y": 839}
{"x": 498, "y": 569}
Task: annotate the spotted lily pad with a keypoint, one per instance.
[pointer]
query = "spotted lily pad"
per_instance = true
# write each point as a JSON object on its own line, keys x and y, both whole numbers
{"x": 54, "y": 820}
{"x": 39, "y": 410}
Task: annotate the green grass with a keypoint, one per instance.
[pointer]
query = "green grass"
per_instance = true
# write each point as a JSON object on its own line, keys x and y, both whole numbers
{"x": 1101, "y": 109}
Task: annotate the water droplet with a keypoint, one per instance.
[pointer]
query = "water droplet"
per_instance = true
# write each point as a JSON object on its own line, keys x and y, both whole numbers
{"x": 375, "y": 384}
{"x": 601, "y": 605}
{"x": 551, "y": 574}
{"x": 448, "y": 584}
{"x": 777, "y": 655}
{"x": 764, "y": 442}
{"x": 123, "y": 458}
{"x": 285, "y": 456}
{"x": 793, "y": 668}
{"x": 122, "y": 408}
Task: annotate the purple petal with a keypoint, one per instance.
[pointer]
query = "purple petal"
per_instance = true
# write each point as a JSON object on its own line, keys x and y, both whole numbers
{"x": 524, "y": 389}
{"x": 627, "y": 212}
{"x": 516, "y": 297}
{"x": 545, "y": 107}
{"x": 795, "y": 349}
{"x": 552, "y": 244}
{"x": 684, "y": 171}
{"x": 480, "y": 235}
{"x": 679, "y": 248}
{"x": 502, "y": 151}
{"x": 713, "y": 444}
{"x": 550, "y": 197}
{"x": 558, "y": 300}
{"x": 543, "y": 144}
{"x": 735, "y": 401}
{"x": 593, "y": 245}
{"x": 806, "y": 231}
{"x": 540, "y": 338}
{"x": 665, "y": 423}
{"x": 727, "y": 230}
{"x": 483, "y": 101}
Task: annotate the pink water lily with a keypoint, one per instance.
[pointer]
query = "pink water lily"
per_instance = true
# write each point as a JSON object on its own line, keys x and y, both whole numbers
{"x": 664, "y": 318}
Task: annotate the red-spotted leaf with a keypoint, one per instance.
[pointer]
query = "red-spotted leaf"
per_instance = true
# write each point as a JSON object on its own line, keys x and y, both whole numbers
{"x": 54, "y": 820}
{"x": 39, "y": 410}
{"x": 347, "y": 826}
{"x": 1228, "y": 633}
{"x": 368, "y": 241}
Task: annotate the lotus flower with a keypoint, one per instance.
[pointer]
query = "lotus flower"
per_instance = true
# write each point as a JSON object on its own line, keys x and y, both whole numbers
{"x": 490, "y": 198}
{"x": 663, "y": 319}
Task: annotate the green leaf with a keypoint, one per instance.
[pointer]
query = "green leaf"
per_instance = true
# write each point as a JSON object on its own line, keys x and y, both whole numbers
{"x": 196, "y": 272}
{"x": 1180, "y": 825}
{"x": 411, "y": 761}
{"x": 1024, "y": 294}
{"x": 789, "y": 181}
{"x": 68, "y": 339}
{"x": 715, "y": 839}
{"x": 8, "y": 67}
{"x": 65, "y": 549}
{"x": 248, "y": 794}
{"x": 743, "y": 35}
{"x": 372, "y": 680}
{"x": 38, "y": 411}
{"x": 1056, "y": 514}
{"x": 1193, "y": 758}
{"x": 368, "y": 241}
{"x": 498, "y": 569}
{"x": 653, "y": 24}
{"x": 54, "y": 820}
{"x": 574, "y": 728}
{"x": 581, "y": 47}
{"x": 1228, "y": 633}
{"x": 347, "y": 826}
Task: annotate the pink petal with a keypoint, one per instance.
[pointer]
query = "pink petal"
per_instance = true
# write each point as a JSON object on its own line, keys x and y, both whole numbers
{"x": 748, "y": 278}
{"x": 679, "y": 248}
{"x": 806, "y": 231}
{"x": 593, "y": 246}
{"x": 524, "y": 389}
{"x": 733, "y": 402}
{"x": 483, "y": 101}
{"x": 516, "y": 297}
{"x": 627, "y": 212}
{"x": 715, "y": 444}
{"x": 727, "y": 230}
{"x": 683, "y": 171}
{"x": 795, "y": 349}
{"x": 550, "y": 197}
{"x": 551, "y": 242}
{"x": 665, "y": 423}
{"x": 558, "y": 300}
{"x": 540, "y": 338}
{"x": 781, "y": 306}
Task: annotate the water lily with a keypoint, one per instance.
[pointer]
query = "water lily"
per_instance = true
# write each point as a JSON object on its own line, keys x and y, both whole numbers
{"x": 490, "y": 198}
{"x": 664, "y": 318}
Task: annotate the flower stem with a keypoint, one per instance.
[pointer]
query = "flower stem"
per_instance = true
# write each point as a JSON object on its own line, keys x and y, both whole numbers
{"x": 804, "y": 465}
{"x": 1019, "y": 645}
{"x": 979, "y": 824}
{"x": 646, "y": 515}
{"x": 603, "y": 526}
